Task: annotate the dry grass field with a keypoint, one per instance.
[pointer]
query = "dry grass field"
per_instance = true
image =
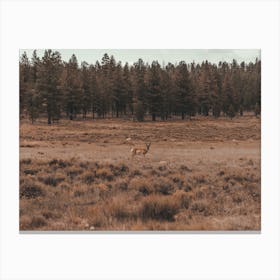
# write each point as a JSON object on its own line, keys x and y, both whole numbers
{"x": 202, "y": 174}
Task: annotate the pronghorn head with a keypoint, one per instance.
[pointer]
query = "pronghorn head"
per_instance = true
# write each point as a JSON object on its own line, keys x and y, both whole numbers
{"x": 148, "y": 145}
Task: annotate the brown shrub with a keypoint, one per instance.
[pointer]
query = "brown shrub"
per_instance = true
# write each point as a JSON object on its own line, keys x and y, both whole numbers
{"x": 79, "y": 190}
{"x": 38, "y": 221}
{"x": 164, "y": 187}
{"x": 50, "y": 215}
{"x": 31, "y": 191}
{"x": 162, "y": 168}
{"x": 200, "y": 207}
{"x": 26, "y": 161}
{"x": 187, "y": 188}
{"x": 105, "y": 174}
{"x": 183, "y": 198}
{"x": 123, "y": 186}
{"x": 142, "y": 185}
{"x": 118, "y": 209}
{"x": 88, "y": 177}
{"x": 59, "y": 163}
{"x": 159, "y": 207}
{"x": 30, "y": 171}
{"x": 51, "y": 180}
{"x": 119, "y": 170}
{"x": 135, "y": 172}
{"x": 200, "y": 179}
{"x": 178, "y": 180}
{"x": 185, "y": 168}
{"x": 73, "y": 172}
{"x": 84, "y": 165}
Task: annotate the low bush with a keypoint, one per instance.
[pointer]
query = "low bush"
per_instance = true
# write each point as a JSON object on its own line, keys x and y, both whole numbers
{"x": 142, "y": 185}
{"x": 88, "y": 177}
{"x": 59, "y": 163}
{"x": 38, "y": 221}
{"x": 31, "y": 191}
{"x": 51, "y": 181}
{"x": 119, "y": 170}
{"x": 105, "y": 174}
{"x": 182, "y": 198}
{"x": 30, "y": 171}
{"x": 73, "y": 172}
{"x": 26, "y": 161}
{"x": 158, "y": 207}
{"x": 164, "y": 187}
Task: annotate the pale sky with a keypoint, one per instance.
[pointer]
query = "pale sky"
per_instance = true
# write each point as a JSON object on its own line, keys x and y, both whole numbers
{"x": 161, "y": 55}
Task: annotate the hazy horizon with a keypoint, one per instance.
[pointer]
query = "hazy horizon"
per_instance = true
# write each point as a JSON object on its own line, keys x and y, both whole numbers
{"x": 163, "y": 56}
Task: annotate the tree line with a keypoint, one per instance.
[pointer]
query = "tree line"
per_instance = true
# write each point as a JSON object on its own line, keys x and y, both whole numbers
{"x": 54, "y": 88}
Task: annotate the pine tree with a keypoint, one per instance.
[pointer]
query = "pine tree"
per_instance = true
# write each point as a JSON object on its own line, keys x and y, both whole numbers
{"x": 153, "y": 89}
{"x": 24, "y": 74}
{"x": 86, "y": 92}
{"x": 127, "y": 85}
{"x": 72, "y": 87}
{"x": 35, "y": 66}
{"x": 209, "y": 90}
{"x": 105, "y": 98}
{"x": 231, "y": 111}
{"x": 139, "y": 111}
{"x": 166, "y": 95}
{"x": 33, "y": 105}
{"x": 186, "y": 100}
{"x": 229, "y": 95}
{"x": 257, "y": 109}
{"x": 48, "y": 84}
{"x": 94, "y": 91}
{"x": 216, "y": 89}
{"x": 139, "y": 87}
{"x": 118, "y": 90}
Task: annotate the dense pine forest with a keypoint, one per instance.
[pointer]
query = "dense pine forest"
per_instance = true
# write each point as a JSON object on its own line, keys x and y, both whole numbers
{"x": 54, "y": 89}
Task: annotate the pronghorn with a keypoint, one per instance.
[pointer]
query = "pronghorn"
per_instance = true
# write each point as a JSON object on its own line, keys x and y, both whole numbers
{"x": 140, "y": 150}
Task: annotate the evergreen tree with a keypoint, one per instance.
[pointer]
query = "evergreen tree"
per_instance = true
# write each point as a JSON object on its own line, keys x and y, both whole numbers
{"x": 229, "y": 95}
{"x": 72, "y": 87}
{"x": 24, "y": 74}
{"x": 154, "y": 97}
{"x": 94, "y": 91}
{"x": 35, "y": 60}
{"x": 216, "y": 89}
{"x": 139, "y": 111}
{"x": 33, "y": 105}
{"x": 128, "y": 90}
{"x": 204, "y": 94}
{"x": 231, "y": 111}
{"x": 119, "y": 95}
{"x": 166, "y": 94}
{"x": 139, "y": 87}
{"x": 86, "y": 92}
{"x": 185, "y": 102}
{"x": 257, "y": 109}
{"x": 48, "y": 84}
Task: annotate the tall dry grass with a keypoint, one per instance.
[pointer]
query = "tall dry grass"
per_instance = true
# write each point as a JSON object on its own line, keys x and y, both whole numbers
{"x": 78, "y": 195}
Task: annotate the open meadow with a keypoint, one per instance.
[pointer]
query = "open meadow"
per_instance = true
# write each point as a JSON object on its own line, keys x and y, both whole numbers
{"x": 202, "y": 174}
